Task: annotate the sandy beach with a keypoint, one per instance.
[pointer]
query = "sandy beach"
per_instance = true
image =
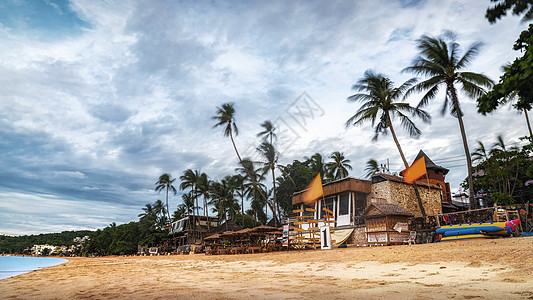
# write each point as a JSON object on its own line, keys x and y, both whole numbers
{"x": 484, "y": 269}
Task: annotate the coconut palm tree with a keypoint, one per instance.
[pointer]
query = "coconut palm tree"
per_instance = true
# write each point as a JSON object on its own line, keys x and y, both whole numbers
{"x": 225, "y": 116}
{"x": 190, "y": 179}
{"x": 165, "y": 183}
{"x": 203, "y": 186}
{"x": 439, "y": 61}
{"x": 222, "y": 195}
{"x": 238, "y": 181}
{"x": 270, "y": 156}
{"x": 268, "y": 131}
{"x": 338, "y": 168}
{"x": 378, "y": 95}
{"x": 372, "y": 168}
{"x": 188, "y": 206}
{"x": 317, "y": 164}
{"x": 161, "y": 212}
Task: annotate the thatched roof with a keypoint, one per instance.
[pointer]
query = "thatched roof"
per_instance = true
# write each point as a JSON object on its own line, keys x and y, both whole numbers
{"x": 213, "y": 237}
{"x": 375, "y": 210}
{"x": 232, "y": 226}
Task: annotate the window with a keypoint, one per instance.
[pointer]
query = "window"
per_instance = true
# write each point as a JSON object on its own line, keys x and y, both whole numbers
{"x": 344, "y": 204}
{"x": 360, "y": 203}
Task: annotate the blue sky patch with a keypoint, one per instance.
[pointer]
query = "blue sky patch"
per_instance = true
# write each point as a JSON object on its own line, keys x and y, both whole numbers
{"x": 42, "y": 18}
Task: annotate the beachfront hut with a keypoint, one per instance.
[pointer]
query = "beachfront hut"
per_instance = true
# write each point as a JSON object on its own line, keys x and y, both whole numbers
{"x": 191, "y": 230}
{"x": 386, "y": 223}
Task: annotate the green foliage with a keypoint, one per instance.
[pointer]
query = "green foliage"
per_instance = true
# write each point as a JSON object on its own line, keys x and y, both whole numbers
{"x": 517, "y": 80}
{"x": 517, "y": 7}
{"x": 17, "y": 244}
{"x": 45, "y": 252}
{"x": 295, "y": 177}
{"x": 502, "y": 172}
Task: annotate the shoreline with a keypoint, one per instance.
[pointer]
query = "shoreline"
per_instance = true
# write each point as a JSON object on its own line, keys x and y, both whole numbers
{"x": 485, "y": 269}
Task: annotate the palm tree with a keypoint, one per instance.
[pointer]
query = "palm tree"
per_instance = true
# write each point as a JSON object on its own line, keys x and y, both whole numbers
{"x": 317, "y": 164}
{"x": 499, "y": 149}
{"x": 165, "y": 183}
{"x": 188, "y": 206}
{"x": 378, "y": 95}
{"x": 159, "y": 207}
{"x": 338, "y": 168}
{"x": 222, "y": 195}
{"x": 237, "y": 181}
{"x": 225, "y": 117}
{"x": 190, "y": 179}
{"x": 203, "y": 186}
{"x": 268, "y": 131}
{"x": 270, "y": 156}
{"x": 440, "y": 62}
{"x": 372, "y": 168}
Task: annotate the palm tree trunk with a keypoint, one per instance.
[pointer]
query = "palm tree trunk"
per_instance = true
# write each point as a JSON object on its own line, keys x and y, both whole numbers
{"x": 168, "y": 211}
{"x": 465, "y": 145}
{"x": 242, "y": 203}
{"x": 276, "y": 204}
{"x": 254, "y": 183}
{"x": 415, "y": 187}
{"x": 206, "y": 213}
{"x": 528, "y": 124}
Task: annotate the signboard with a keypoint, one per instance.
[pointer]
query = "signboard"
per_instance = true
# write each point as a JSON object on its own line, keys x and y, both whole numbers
{"x": 325, "y": 238}
{"x": 396, "y": 237}
{"x": 285, "y": 239}
{"x": 401, "y": 227}
{"x": 377, "y": 237}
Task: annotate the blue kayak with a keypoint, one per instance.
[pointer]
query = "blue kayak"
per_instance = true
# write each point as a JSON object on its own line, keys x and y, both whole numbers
{"x": 468, "y": 230}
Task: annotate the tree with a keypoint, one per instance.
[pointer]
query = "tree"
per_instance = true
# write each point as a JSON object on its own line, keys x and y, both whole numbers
{"x": 270, "y": 156}
{"x": 372, "y": 168}
{"x": 203, "y": 186}
{"x": 165, "y": 183}
{"x": 222, "y": 195}
{"x": 317, "y": 164}
{"x": 516, "y": 81}
{"x": 378, "y": 96}
{"x": 190, "y": 179}
{"x": 268, "y": 131}
{"x": 294, "y": 177}
{"x": 440, "y": 62}
{"x": 517, "y": 7}
{"x": 237, "y": 181}
{"x": 225, "y": 116}
{"x": 338, "y": 168}
{"x": 254, "y": 192}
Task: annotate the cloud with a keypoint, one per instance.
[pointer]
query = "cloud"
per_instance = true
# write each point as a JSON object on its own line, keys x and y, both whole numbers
{"x": 90, "y": 117}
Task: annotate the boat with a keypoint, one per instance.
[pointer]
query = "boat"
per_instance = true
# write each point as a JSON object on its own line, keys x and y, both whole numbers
{"x": 481, "y": 230}
{"x": 466, "y": 237}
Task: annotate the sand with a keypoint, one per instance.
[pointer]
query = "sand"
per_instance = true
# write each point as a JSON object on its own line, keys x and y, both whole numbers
{"x": 483, "y": 269}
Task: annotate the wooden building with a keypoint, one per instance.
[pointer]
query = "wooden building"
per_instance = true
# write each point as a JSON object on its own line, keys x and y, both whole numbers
{"x": 191, "y": 230}
{"x": 347, "y": 198}
{"x": 386, "y": 223}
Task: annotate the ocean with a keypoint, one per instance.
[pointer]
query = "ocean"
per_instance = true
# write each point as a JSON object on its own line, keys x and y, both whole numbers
{"x": 14, "y": 265}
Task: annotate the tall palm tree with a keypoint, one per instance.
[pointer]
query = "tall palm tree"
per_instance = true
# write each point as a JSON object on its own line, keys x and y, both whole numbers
{"x": 238, "y": 181}
{"x": 378, "y": 95}
{"x": 372, "y": 168}
{"x": 268, "y": 131}
{"x": 222, "y": 195}
{"x": 338, "y": 168}
{"x": 270, "y": 156}
{"x": 439, "y": 61}
{"x": 481, "y": 154}
{"x": 188, "y": 206}
{"x": 203, "y": 186}
{"x": 225, "y": 116}
{"x": 190, "y": 179}
{"x": 165, "y": 183}
{"x": 161, "y": 212}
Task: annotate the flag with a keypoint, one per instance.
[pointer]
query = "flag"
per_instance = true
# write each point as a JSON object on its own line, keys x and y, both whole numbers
{"x": 415, "y": 171}
{"x": 313, "y": 191}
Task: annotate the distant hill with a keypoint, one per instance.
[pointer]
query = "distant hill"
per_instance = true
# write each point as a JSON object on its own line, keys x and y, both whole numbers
{"x": 17, "y": 244}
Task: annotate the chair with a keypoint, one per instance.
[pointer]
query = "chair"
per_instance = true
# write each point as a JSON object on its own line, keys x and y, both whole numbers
{"x": 412, "y": 238}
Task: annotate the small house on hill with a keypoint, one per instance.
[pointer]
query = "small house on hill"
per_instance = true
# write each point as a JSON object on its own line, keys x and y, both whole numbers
{"x": 386, "y": 223}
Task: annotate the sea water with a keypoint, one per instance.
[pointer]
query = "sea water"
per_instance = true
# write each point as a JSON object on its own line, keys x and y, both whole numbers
{"x": 15, "y": 265}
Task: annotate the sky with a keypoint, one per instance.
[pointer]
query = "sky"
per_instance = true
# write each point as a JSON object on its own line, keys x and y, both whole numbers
{"x": 99, "y": 98}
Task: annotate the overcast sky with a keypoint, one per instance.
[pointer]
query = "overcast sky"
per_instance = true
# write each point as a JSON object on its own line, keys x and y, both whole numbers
{"x": 100, "y": 98}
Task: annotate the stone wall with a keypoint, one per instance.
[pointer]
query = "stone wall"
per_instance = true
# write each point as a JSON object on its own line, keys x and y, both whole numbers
{"x": 402, "y": 194}
{"x": 358, "y": 236}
